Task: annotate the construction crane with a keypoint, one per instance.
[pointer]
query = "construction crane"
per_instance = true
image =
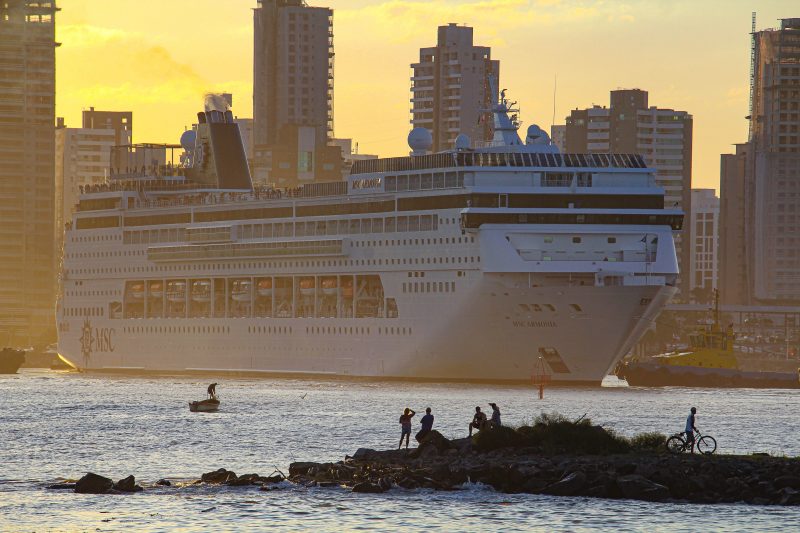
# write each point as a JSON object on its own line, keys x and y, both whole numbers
{"x": 752, "y": 73}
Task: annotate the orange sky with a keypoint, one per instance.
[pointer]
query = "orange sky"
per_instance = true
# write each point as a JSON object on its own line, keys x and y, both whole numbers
{"x": 158, "y": 58}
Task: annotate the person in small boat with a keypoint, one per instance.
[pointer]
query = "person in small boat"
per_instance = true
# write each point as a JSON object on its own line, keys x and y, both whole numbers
{"x": 405, "y": 425}
{"x": 427, "y": 425}
{"x": 495, "y": 420}
{"x": 212, "y": 391}
{"x": 478, "y": 421}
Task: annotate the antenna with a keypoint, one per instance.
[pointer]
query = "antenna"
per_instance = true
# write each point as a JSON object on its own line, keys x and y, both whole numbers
{"x": 555, "y": 87}
{"x": 752, "y": 72}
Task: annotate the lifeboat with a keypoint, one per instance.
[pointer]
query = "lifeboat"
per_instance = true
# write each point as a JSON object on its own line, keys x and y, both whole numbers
{"x": 241, "y": 290}
{"x": 329, "y": 286}
{"x": 156, "y": 289}
{"x": 136, "y": 290}
{"x": 265, "y": 287}
{"x": 176, "y": 291}
{"x": 347, "y": 288}
{"x": 307, "y": 286}
{"x": 201, "y": 291}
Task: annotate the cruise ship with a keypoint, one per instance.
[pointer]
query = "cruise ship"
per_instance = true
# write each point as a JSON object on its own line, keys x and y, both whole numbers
{"x": 481, "y": 263}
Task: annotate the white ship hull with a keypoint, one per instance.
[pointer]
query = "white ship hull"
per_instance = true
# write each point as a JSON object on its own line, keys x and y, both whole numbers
{"x": 483, "y": 336}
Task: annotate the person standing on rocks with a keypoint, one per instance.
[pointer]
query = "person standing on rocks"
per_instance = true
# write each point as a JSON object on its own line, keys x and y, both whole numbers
{"x": 478, "y": 421}
{"x": 495, "y": 420}
{"x": 405, "y": 425}
{"x": 690, "y": 428}
{"x": 427, "y": 425}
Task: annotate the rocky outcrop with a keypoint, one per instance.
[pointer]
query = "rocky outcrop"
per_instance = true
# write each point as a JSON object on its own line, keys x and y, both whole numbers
{"x": 93, "y": 483}
{"x": 651, "y": 476}
{"x": 127, "y": 484}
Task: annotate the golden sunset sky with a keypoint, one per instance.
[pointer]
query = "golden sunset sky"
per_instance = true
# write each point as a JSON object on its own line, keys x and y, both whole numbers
{"x": 158, "y": 58}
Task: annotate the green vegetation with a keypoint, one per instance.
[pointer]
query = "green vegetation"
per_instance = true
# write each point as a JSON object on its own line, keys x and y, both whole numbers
{"x": 552, "y": 433}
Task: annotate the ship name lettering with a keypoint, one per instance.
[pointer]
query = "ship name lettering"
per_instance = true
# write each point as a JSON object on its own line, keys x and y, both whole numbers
{"x": 103, "y": 339}
{"x": 367, "y": 183}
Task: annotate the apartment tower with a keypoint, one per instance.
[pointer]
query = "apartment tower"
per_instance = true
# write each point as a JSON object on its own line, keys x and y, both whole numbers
{"x": 27, "y": 149}
{"x": 452, "y": 84}
{"x": 662, "y": 136}
{"x": 293, "y": 94}
{"x": 703, "y": 232}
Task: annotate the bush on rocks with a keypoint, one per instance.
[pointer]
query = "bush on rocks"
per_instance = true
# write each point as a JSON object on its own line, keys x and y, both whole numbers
{"x": 495, "y": 437}
{"x": 648, "y": 442}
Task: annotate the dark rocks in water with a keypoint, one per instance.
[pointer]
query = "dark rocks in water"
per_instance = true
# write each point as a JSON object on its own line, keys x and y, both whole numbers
{"x": 787, "y": 481}
{"x": 361, "y": 454}
{"x": 244, "y": 480}
{"x": 368, "y": 487}
{"x": 164, "y": 483}
{"x": 636, "y": 487}
{"x": 127, "y": 484}
{"x": 62, "y": 486}
{"x": 218, "y": 477}
{"x": 302, "y": 468}
{"x": 569, "y": 485}
{"x": 93, "y": 483}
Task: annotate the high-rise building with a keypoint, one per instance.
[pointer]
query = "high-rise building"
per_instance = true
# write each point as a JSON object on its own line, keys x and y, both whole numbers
{"x": 773, "y": 168}
{"x": 27, "y": 148}
{"x": 350, "y": 155}
{"x": 558, "y": 134}
{"x": 293, "y": 94}
{"x": 119, "y": 121}
{"x": 83, "y": 157}
{"x": 662, "y": 136}
{"x": 452, "y": 84}
{"x": 733, "y": 263}
{"x": 703, "y": 234}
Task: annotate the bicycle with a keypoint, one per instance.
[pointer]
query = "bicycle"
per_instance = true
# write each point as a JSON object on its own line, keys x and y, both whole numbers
{"x": 705, "y": 444}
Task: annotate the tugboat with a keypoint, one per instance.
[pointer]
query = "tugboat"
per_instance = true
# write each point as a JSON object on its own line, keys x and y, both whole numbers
{"x": 11, "y": 360}
{"x": 709, "y": 362}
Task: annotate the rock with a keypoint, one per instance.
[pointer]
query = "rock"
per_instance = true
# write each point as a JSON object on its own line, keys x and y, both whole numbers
{"x": 435, "y": 440}
{"x": 363, "y": 454}
{"x": 787, "y": 481}
{"x": 127, "y": 484}
{"x": 325, "y": 484}
{"x": 164, "y": 483}
{"x": 368, "y": 487}
{"x": 271, "y": 479}
{"x": 569, "y": 485}
{"x": 790, "y": 497}
{"x": 302, "y": 468}
{"x": 534, "y": 485}
{"x": 218, "y": 476}
{"x": 626, "y": 469}
{"x": 635, "y": 487}
{"x": 93, "y": 483}
{"x": 62, "y": 486}
{"x": 243, "y": 480}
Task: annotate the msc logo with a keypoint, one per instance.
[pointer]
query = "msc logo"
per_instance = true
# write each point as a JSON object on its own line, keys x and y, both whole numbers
{"x": 95, "y": 340}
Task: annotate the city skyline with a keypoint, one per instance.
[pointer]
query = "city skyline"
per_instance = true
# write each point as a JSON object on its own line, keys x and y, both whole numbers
{"x": 160, "y": 69}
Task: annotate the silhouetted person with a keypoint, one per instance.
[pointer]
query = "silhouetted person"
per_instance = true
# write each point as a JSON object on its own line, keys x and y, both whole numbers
{"x": 427, "y": 425}
{"x": 690, "y": 428}
{"x": 212, "y": 391}
{"x": 405, "y": 426}
{"x": 495, "y": 420}
{"x": 478, "y": 421}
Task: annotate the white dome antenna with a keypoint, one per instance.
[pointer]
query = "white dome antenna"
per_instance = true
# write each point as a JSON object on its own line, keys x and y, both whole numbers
{"x": 463, "y": 142}
{"x": 420, "y": 141}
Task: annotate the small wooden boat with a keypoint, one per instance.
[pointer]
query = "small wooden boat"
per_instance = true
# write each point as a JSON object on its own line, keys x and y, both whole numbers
{"x": 204, "y": 406}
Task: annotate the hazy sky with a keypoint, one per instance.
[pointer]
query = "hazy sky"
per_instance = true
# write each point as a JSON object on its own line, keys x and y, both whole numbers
{"x": 158, "y": 57}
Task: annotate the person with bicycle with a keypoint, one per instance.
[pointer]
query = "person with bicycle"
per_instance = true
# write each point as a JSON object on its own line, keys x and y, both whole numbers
{"x": 690, "y": 428}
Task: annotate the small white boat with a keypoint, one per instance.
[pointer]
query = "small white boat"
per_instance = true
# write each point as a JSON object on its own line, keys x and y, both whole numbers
{"x": 204, "y": 406}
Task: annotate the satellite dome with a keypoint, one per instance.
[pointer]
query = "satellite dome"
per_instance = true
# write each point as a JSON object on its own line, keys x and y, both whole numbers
{"x": 420, "y": 140}
{"x": 463, "y": 142}
{"x": 188, "y": 138}
{"x": 536, "y": 135}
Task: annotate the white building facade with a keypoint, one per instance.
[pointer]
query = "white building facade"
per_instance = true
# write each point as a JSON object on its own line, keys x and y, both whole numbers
{"x": 703, "y": 235}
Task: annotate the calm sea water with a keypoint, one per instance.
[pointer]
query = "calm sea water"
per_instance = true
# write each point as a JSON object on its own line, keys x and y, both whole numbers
{"x": 60, "y": 425}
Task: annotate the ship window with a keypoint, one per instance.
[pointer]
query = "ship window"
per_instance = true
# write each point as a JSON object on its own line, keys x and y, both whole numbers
{"x": 612, "y": 240}
{"x": 576, "y": 240}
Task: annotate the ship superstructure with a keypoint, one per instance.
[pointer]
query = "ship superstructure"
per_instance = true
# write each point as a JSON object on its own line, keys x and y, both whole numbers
{"x": 470, "y": 264}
